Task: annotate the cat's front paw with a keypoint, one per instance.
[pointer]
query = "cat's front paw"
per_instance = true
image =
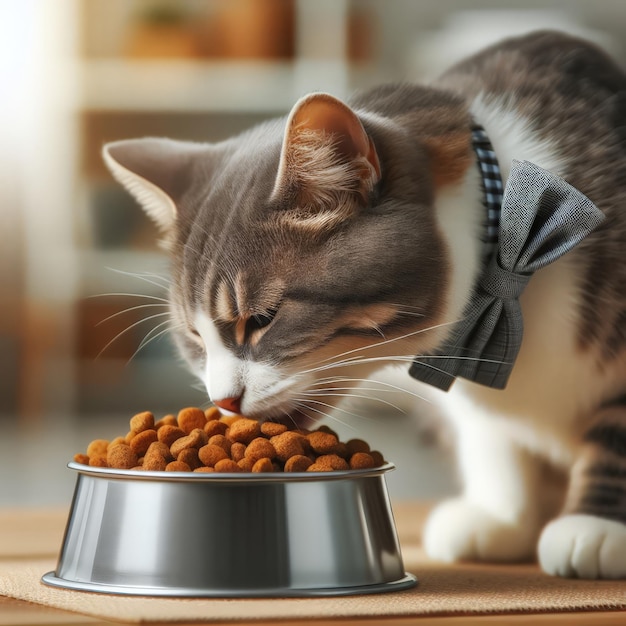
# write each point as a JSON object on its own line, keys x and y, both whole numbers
{"x": 583, "y": 546}
{"x": 458, "y": 530}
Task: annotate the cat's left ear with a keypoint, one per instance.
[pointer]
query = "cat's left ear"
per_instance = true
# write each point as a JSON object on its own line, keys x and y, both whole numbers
{"x": 326, "y": 149}
{"x": 155, "y": 171}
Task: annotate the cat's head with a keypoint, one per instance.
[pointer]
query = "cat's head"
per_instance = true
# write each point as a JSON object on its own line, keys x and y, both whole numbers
{"x": 305, "y": 253}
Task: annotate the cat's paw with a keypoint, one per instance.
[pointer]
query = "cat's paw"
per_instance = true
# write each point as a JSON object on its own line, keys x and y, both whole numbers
{"x": 458, "y": 530}
{"x": 583, "y": 546}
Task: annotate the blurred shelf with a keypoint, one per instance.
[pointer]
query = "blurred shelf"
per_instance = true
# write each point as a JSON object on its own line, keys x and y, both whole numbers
{"x": 118, "y": 84}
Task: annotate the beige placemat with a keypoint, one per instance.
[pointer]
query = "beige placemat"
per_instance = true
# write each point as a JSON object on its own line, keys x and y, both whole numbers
{"x": 442, "y": 590}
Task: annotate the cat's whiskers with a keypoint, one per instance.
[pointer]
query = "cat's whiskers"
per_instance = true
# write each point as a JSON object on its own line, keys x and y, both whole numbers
{"x": 129, "y": 295}
{"x": 146, "y": 277}
{"x": 149, "y": 339}
{"x": 397, "y": 358}
{"x": 376, "y": 345}
{"x": 306, "y": 402}
{"x": 394, "y": 388}
{"x": 127, "y": 310}
{"x": 325, "y": 394}
{"x": 128, "y": 328}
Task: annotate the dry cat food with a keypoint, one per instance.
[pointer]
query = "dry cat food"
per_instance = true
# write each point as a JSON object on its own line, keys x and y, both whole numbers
{"x": 206, "y": 441}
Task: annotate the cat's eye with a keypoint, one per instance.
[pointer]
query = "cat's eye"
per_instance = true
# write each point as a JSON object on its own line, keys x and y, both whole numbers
{"x": 260, "y": 320}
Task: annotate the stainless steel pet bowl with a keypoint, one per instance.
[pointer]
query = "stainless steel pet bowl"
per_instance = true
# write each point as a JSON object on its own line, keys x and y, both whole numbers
{"x": 230, "y": 535}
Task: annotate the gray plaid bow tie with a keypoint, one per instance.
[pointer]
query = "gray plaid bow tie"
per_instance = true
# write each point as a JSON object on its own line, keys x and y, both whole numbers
{"x": 543, "y": 217}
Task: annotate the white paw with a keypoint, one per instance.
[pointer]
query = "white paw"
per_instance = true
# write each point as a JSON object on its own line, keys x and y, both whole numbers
{"x": 458, "y": 530}
{"x": 583, "y": 546}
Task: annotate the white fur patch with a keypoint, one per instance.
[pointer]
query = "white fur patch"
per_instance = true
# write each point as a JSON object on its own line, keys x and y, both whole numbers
{"x": 584, "y": 546}
{"x": 460, "y": 215}
{"x": 511, "y": 136}
{"x": 459, "y": 530}
{"x": 224, "y": 375}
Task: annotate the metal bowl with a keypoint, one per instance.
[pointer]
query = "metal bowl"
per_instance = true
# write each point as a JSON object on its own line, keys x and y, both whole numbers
{"x": 230, "y": 535}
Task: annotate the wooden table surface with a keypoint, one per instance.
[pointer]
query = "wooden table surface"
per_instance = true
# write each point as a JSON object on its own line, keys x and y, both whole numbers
{"x": 42, "y": 531}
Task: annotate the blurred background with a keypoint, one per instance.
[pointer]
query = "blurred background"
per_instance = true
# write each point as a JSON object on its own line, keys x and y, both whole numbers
{"x": 82, "y": 346}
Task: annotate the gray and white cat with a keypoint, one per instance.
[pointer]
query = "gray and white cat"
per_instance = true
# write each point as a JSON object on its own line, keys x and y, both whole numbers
{"x": 311, "y": 250}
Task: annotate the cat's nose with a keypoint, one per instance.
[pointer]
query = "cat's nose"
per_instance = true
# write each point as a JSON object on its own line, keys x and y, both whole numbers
{"x": 233, "y": 405}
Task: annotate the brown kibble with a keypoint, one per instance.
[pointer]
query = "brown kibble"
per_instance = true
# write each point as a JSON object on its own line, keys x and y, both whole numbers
{"x": 357, "y": 445}
{"x": 379, "y": 459}
{"x": 323, "y": 443}
{"x": 215, "y": 427}
{"x": 97, "y": 447}
{"x": 212, "y": 413}
{"x": 262, "y": 466}
{"x": 244, "y": 430}
{"x": 298, "y": 463}
{"x": 167, "y": 420}
{"x": 237, "y": 451}
{"x": 191, "y": 418}
{"x": 190, "y": 456}
{"x": 330, "y": 461}
{"x": 205, "y": 441}
{"x": 245, "y": 464}
{"x": 155, "y": 462}
{"x": 168, "y": 434}
{"x": 272, "y": 429}
{"x": 177, "y": 466}
{"x": 361, "y": 460}
{"x": 222, "y": 442}
{"x": 121, "y": 456}
{"x": 260, "y": 448}
{"x": 158, "y": 447}
{"x": 195, "y": 439}
{"x": 342, "y": 450}
{"x": 142, "y": 421}
{"x": 288, "y": 444}
{"x": 211, "y": 454}
{"x": 140, "y": 443}
{"x": 202, "y": 436}
{"x": 227, "y": 466}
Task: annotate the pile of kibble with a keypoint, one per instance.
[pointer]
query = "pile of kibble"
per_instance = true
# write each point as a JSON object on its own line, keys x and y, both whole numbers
{"x": 205, "y": 441}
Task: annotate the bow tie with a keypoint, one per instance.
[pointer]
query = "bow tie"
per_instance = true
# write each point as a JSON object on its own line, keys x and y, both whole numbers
{"x": 541, "y": 218}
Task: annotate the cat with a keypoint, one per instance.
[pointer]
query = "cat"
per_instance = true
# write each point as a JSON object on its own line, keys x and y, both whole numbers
{"x": 312, "y": 249}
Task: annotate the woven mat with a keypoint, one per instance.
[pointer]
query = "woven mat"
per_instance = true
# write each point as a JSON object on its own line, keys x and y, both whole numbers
{"x": 442, "y": 590}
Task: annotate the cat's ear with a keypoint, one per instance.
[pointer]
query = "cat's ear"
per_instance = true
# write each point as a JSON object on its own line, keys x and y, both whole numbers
{"x": 325, "y": 149}
{"x": 154, "y": 171}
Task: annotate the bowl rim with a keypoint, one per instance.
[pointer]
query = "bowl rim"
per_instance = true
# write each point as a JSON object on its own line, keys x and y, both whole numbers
{"x": 224, "y": 477}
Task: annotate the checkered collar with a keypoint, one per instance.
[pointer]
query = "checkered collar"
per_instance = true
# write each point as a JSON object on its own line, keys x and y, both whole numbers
{"x": 492, "y": 187}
